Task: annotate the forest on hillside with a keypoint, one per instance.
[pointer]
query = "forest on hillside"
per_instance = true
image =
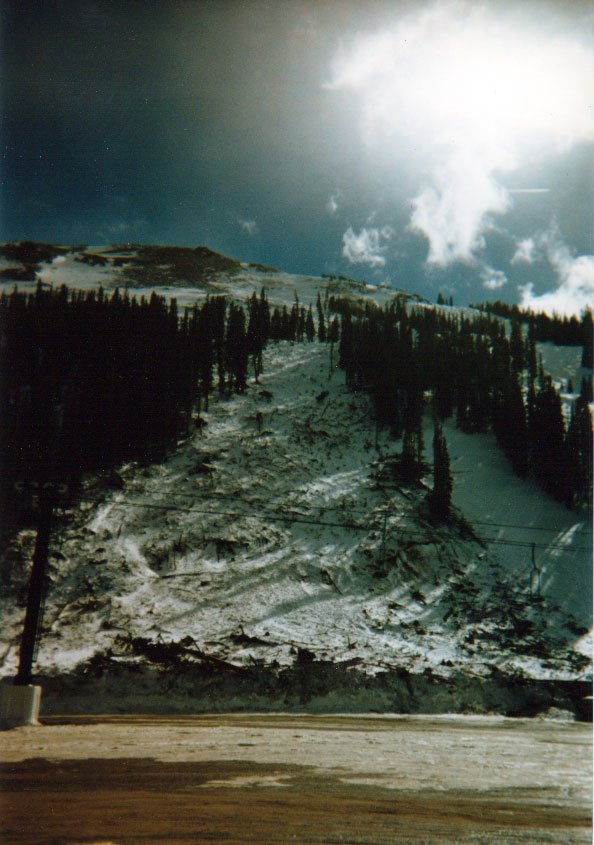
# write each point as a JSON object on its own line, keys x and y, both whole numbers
{"x": 564, "y": 331}
{"x": 90, "y": 380}
{"x": 472, "y": 370}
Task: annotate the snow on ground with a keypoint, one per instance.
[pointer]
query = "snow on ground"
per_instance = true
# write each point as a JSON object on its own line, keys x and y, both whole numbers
{"x": 84, "y": 270}
{"x": 70, "y": 271}
{"x": 514, "y": 514}
{"x": 276, "y": 533}
{"x": 279, "y": 532}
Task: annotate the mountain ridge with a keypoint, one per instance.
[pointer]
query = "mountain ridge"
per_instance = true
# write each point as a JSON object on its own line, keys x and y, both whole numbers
{"x": 189, "y": 273}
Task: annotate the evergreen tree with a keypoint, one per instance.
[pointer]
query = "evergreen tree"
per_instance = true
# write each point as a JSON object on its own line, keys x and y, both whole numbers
{"x": 346, "y": 351}
{"x": 276, "y": 325}
{"x": 548, "y": 444}
{"x": 517, "y": 346}
{"x": 532, "y": 362}
{"x": 310, "y": 329}
{"x": 587, "y": 392}
{"x": 588, "y": 341}
{"x": 204, "y": 351}
{"x": 321, "y": 321}
{"x": 289, "y": 323}
{"x": 515, "y": 442}
{"x": 218, "y": 313}
{"x": 412, "y": 438}
{"x": 579, "y": 456}
{"x": 236, "y": 349}
{"x": 333, "y": 337}
{"x": 441, "y": 495}
{"x": 258, "y": 330}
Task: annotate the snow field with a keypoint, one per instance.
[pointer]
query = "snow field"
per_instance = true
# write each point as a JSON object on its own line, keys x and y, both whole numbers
{"x": 266, "y": 535}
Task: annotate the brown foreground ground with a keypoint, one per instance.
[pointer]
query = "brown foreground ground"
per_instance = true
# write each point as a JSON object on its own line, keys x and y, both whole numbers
{"x": 301, "y": 779}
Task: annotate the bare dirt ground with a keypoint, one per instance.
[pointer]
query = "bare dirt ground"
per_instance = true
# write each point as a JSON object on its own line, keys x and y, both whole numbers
{"x": 126, "y": 780}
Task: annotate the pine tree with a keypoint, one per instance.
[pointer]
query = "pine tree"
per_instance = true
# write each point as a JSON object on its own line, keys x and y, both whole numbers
{"x": 321, "y": 321}
{"x": 236, "y": 349}
{"x": 516, "y": 437}
{"x": 257, "y": 331}
{"x": 517, "y": 346}
{"x": 310, "y": 329}
{"x": 346, "y": 351}
{"x": 531, "y": 353}
{"x": 588, "y": 341}
{"x": 412, "y": 438}
{"x": 333, "y": 337}
{"x": 441, "y": 495}
{"x": 579, "y": 456}
{"x": 205, "y": 352}
{"x": 547, "y": 439}
{"x": 587, "y": 392}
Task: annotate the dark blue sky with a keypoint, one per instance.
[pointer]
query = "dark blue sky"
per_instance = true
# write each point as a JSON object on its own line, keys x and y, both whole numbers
{"x": 236, "y": 125}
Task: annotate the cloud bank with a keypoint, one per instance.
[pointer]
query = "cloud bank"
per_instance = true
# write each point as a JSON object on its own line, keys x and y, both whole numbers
{"x": 575, "y": 278}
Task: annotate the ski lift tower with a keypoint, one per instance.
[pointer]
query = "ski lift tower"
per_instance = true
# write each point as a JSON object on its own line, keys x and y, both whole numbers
{"x": 20, "y": 700}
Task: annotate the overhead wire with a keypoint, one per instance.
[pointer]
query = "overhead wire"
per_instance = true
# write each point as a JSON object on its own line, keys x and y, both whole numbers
{"x": 293, "y": 518}
{"x": 380, "y": 511}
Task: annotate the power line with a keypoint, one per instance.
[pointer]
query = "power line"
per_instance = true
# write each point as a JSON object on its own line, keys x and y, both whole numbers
{"x": 379, "y": 511}
{"x": 526, "y": 527}
{"x": 298, "y": 519}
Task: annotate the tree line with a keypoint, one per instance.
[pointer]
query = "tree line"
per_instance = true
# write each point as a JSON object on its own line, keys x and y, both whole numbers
{"x": 89, "y": 380}
{"x": 563, "y": 331}
{"x": 471, "y": 370}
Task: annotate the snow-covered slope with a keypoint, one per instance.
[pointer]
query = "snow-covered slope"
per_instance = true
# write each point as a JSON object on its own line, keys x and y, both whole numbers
{"x": 187, "y": 274}
{"x": 278, "y": 530}
{"x": 277, "y": 534}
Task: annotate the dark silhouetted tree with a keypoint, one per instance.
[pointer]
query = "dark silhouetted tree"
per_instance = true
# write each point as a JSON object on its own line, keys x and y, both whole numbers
{"x": 441, "y": 496}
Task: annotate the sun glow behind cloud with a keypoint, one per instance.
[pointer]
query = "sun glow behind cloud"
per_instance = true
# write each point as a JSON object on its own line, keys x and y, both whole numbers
{"x": 472, "y": 92}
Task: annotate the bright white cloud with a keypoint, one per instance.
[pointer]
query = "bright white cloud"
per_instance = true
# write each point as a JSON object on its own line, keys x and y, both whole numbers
{"x": 575, "y": 276}
{"x": 451, "y": 210}
{"x": 474, "y": 91}
{"x": 493, "y": 279}
{"x": 366, "y": 247}
{"x": 249, "y": 226}
{"x": 525, "y": 252}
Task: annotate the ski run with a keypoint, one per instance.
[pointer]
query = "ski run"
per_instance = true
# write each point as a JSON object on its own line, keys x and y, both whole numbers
{"x": 274, "y": 536}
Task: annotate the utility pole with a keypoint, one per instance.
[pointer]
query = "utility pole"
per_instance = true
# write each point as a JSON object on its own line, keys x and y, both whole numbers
{"x": 20, "y": 700}
{"x": 36, "y": 590}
